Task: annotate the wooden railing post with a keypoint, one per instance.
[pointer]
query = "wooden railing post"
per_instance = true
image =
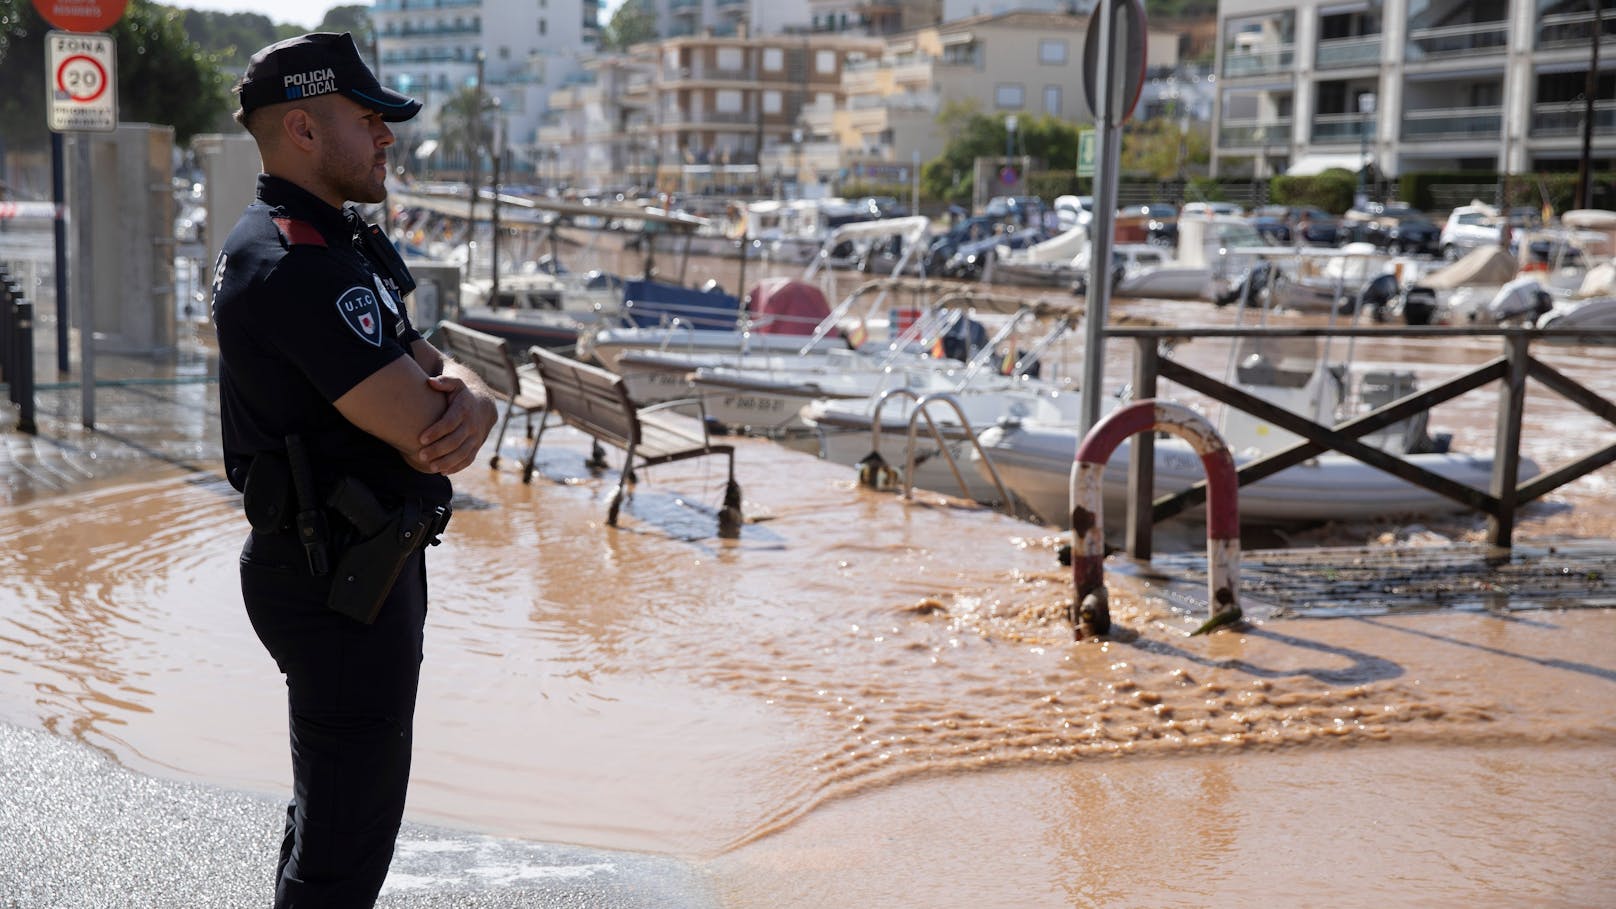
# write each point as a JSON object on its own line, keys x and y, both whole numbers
{"x": 1140, "y": 527}
{"x": 1507, "y": 447}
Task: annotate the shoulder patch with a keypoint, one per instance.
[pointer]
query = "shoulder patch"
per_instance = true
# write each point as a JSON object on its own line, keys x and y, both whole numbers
{"x": 299, "y": 233}
{"x": 359, "y": 309}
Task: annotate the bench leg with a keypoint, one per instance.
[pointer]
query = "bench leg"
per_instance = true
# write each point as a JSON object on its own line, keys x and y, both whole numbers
{"x": 597, "y": 456}
{"x": 493, "y": 462}
{"x": 533, "y": 451}
{"x": 729, "y": 519}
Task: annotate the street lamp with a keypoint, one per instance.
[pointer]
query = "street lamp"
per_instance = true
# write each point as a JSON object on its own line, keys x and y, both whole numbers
{"x": 796, "y": 175}
{"x": 1366, "y": 107}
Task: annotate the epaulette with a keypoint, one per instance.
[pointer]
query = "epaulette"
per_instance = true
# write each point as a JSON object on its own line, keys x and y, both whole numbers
{"x": 299, "y": 233}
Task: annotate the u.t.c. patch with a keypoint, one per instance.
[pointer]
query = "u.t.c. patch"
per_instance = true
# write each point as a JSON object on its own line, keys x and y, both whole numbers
{"x": 363, "y": 314}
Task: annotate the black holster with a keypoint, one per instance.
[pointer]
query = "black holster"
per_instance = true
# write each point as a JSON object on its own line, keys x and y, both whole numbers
{"x": 384, "y": 539}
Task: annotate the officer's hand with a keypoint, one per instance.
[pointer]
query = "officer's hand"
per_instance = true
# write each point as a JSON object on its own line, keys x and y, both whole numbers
{"x": 451, "y": 444}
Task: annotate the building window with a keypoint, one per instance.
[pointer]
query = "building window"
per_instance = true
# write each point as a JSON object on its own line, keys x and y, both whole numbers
{"x": 1009, "y": 95}
{"x": 729, "y": 59}
{"x": 771, "y": 102}
{"x": 504, "y": 53}
{"x": 774, "y": 59}
{"x": 543, "y": 27}
{"x": 825, "y": 62}
{"x": 1052, "y": 51}
{"x": 1052, "y": 100}
{"x": 727, "y": 101}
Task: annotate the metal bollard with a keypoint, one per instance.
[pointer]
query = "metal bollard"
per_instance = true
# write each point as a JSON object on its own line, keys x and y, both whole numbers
{"x": 1089, "y": 611}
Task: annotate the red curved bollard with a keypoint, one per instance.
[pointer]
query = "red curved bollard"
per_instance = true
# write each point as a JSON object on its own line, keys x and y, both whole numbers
{"x": 1090, "y": 613}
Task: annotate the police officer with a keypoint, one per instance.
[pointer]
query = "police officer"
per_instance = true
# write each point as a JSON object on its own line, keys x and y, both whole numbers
{"x": 341, "y": 425}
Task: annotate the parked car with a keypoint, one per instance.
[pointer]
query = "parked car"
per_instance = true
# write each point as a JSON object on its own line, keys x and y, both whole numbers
{"x": 1392, "y": 226}
{"x": 1478, "y": 224}
{"x": 1211, "y": 208}
{"x": 1284, "y": 224}
{"x": 1273, "y": 223}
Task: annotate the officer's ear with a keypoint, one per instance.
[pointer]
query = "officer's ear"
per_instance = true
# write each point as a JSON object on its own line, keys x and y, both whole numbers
{"x": 298, "y": 125}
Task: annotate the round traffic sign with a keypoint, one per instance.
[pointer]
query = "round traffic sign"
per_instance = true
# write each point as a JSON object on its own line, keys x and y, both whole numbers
{"x": 81, "y": 15}
{"x": 82, "y": 78}
{"x": 1127, "y": 58}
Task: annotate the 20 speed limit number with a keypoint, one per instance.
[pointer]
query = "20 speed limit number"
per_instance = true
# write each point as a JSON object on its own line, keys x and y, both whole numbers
{"x": 83, "y": 89}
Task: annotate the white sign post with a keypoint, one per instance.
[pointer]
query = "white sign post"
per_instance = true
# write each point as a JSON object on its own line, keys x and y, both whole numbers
{"x": 81, "y": 82}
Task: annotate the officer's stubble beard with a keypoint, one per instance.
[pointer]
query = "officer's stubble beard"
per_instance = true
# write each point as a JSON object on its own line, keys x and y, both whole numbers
{"x": 354, "y": 175}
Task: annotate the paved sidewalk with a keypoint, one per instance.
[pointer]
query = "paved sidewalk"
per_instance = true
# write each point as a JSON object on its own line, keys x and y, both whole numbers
{"x": 78, "y": 831}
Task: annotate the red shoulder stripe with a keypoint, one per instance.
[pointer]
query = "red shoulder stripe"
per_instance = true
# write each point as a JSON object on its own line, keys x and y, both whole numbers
{"x": 299, "y": 233}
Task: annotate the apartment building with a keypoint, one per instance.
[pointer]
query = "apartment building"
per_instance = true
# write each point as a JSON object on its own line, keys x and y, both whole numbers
{"x": 725, "y": 18}
{"x": 1411, "y": 85}
{"x": 432, "y": 49}
{"x": 1008, "y": 64}
{"x": 873, "y": 17}
{"x": 703, "y": 101}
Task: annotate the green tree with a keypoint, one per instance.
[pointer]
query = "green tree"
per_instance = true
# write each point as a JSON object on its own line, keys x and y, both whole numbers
{"x": 352, "y": 18}
{"x": 163, "y": 76}
{"x": 463, "y": 123}
{"x": 978, "y": 135}
{"x": 234, "y": 36}
{"x": 633, "y": 23}
{"x": 1160, "y": 149}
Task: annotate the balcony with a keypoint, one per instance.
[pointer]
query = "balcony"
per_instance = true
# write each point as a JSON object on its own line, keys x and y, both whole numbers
{"x": 1572, "y": 30}
{"x": 1563, "y": 119}
{"x": 1444, "y": 43}
{"x": 1342, "y": 128}
{"x": 392, "y": 6}
{"x": 1256, "y": 61}
{"x": 1337, "y": 53}
{"x": 1255, "y": 133}
{"x": 684, "y": 7}
{"x": 1453, "y": 123}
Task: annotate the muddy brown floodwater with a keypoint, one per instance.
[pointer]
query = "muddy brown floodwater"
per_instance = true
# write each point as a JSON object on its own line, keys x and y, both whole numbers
{"x": 865, "y": 701}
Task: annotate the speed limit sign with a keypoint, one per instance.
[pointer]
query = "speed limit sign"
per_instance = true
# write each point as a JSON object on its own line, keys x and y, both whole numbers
{"x": 81, "y": 82}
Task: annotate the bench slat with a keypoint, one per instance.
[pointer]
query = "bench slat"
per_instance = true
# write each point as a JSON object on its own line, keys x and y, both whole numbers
{"x": 597, "y": 403}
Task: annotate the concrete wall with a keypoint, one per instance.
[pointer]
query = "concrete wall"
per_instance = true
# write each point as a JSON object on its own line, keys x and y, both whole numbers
{"x": 131, "y": 233}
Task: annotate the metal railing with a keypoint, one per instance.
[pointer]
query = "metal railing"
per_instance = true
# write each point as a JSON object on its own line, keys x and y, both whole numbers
{"x": 1457, "y": 40}
{"x": 1453, "y": 123}
{"x": 17, "y": 350}
{"x": 1259, "y": 61}
{"x": 1336, "y": 53}
{"x": 1255, "y": 133}
{"x": 1506, "y": 494}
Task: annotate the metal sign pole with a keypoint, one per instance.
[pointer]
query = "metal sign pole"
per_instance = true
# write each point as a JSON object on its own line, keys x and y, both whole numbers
{"x": 1107, "y": 118}
{"x": 84, "y": 275}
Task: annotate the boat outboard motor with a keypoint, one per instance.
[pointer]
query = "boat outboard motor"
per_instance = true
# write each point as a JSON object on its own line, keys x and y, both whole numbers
{"x": 1419, "y": 305}
{"x": 1376, "y": 296}
{"x": 1522, "y": 298}
{"x": 963, "y": 339}
{"x": 1249, "y": 291}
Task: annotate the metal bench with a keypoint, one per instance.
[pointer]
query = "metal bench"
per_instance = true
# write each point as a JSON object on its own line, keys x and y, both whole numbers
{"x": 489, "y": 356}
{"x": 596, "y": 402}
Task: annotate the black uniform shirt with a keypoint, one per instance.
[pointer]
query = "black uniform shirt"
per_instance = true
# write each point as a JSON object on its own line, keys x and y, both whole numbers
{"x": 301, "y": 319}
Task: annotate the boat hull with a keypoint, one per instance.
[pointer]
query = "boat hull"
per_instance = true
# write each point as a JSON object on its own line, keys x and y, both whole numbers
{"x": 1036, "y": 464}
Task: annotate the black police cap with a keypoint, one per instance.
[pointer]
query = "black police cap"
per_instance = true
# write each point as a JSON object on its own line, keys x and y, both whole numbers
{"x": 319, "y": 63}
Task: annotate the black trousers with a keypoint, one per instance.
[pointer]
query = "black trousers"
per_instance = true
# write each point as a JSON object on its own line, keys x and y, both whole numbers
{"x": 351, "y": 697}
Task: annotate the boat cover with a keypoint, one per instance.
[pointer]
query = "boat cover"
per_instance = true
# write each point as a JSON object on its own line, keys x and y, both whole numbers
{"x": 1484, "y": 266}
{"x": 648, "y": 304}
{"x": 793, "y": 307}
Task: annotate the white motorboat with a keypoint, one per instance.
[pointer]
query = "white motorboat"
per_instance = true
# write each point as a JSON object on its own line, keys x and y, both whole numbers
{"x": 1213, "y": 252}
{"x": 846, "y": 430}
{"x": 1059, "y": 261}
{"x": 942, "y": 350}
{"x": 1034, "y": 458}
{"x": 608, "y": 344}
{"x": 1592, "y": 306}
